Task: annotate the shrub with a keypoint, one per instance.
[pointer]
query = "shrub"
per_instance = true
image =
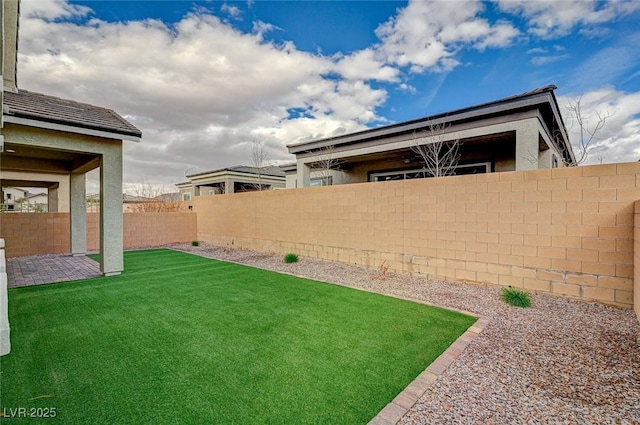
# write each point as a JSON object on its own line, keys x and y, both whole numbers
{"x": 291, "y": 258}
{"x": 515, "y": 297}
{"x": 195, "y": 243}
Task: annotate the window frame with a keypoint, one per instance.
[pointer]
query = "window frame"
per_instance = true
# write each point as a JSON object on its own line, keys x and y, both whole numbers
{"x": 404, "y": 172}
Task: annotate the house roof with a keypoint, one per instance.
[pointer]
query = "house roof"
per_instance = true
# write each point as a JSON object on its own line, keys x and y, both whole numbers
{"x": 51, "y": 109}
{"x": 542, "y": 98}
{"x": 34, "y": 195}
{"x": 16, "y": 188}
{"x": 289, "y": 167}
{"x": 273, "y": 171}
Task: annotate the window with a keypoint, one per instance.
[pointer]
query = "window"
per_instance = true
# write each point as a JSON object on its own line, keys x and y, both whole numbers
{"x": 186, "y": 197}
{"x": 8, "y": 196}
{"x": 483, "y": 167}
{"x": 321, "y": 181}
{"x": 554, "y": 161}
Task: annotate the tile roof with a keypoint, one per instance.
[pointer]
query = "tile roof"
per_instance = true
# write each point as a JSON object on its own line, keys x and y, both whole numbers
{"x": 270, "y": 170}
{"x": 41, "y": 107}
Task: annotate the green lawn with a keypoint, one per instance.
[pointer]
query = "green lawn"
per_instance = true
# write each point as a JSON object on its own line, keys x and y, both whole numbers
{"x": 182, "y": 339}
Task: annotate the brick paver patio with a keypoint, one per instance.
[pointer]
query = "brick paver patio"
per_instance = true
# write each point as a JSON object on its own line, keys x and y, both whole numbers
{"x": 42, "y": 269}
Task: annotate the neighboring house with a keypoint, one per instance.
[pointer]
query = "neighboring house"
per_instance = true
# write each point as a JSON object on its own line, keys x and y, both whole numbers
{"x": 232, "y": 180}
{"x": 34, "y": 202}
{"x": 317, "y": 177}
{"x": 521, "y": 132}
{"x": 19, "y": 199}
{"x": 10, "y": 195}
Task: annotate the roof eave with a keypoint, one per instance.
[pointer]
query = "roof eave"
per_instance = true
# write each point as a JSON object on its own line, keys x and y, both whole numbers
{"x": 229, "y": 173}
{"x": 48, "y": 125}
{"x": 556, "y": 112}
{"x": 472, "y": 113}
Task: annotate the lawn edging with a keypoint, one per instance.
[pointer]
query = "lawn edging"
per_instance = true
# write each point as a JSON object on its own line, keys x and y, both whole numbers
{"x": 396, "y": 409}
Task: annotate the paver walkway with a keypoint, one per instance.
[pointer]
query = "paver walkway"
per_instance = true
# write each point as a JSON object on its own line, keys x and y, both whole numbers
{"x": 42, "y": 269}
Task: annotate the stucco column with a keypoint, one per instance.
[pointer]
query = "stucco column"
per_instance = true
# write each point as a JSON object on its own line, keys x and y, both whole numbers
{"x": 52, "y": 198}
{"x": 304, "y": 174}
{"x": 545, "y": 159}
{"x": 78, "y": 209}
{"x": 228, "y": 186}
{"x": 527, "y": 145}
{"x": 111, "y": 240}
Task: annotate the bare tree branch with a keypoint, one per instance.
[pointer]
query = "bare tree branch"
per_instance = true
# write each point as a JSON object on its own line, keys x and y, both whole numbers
{"x": 328, "y": 162}
{"x": 586, "y": 130}
{"x": 259, "y": 159}
{"x": 152, "y": 198}
{"x": 440, "y": 157}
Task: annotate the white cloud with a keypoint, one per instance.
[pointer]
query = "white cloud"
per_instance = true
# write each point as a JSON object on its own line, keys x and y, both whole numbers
{"x": 619, "y": 139}
{"x": 499, "y": 35}
{"x": 233, "y": 11}
{"x": 543, "y": 60}
{"x": 427, "y": 35}
{"x": 537, "y": 51}
{"x": 407, "y": 88}
{"x": 52, "y": 9}
{"x": 198, "y": 90}
{"x": 548, "y": 19}
{"x": 261, "y": 28}
{"x": 365, "y": 65}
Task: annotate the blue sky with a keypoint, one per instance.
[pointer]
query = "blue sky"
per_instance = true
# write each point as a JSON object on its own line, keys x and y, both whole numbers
{"x": 202, "y": 79}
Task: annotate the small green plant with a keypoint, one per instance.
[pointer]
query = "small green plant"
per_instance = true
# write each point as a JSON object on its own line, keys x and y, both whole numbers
{"x": 291, "y": 258}
{"x": 515, "y": 297}
{"x": 195, "y": 243}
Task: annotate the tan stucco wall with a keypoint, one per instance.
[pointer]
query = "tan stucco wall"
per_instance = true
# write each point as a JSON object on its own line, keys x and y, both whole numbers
{"x": 48, "y": 233}
{"x": 636, "y": 260}
{"x": 566, "y": 231}
{"x": 9, "y": 35}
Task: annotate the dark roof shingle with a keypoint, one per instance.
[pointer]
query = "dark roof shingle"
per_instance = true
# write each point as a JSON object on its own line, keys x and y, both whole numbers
{"x": 41, "y": 107}
{"x": 270, "y": 170}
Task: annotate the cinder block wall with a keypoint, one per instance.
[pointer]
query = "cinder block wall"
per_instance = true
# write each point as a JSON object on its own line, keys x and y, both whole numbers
{"x": 563, "y": 231}
{"x": 35, "y": 233}
{"x": 636, "y": 261}
{"x": 48, "y": 233}
{"x": 156, "y": 229}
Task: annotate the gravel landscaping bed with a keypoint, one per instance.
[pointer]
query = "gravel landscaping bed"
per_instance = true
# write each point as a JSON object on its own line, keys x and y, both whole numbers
{"x": 559, "y": 361}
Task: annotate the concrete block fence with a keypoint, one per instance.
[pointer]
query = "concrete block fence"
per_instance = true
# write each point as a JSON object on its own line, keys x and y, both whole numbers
{"x": 572, "y": 232}
{"x": 48, "y": 233}
{"x": 636, "y": 260}
{"x": 567, "y": 231}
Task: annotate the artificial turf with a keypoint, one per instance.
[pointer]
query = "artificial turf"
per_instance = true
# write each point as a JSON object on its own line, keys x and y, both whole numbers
{"x": 179, "y": 338}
